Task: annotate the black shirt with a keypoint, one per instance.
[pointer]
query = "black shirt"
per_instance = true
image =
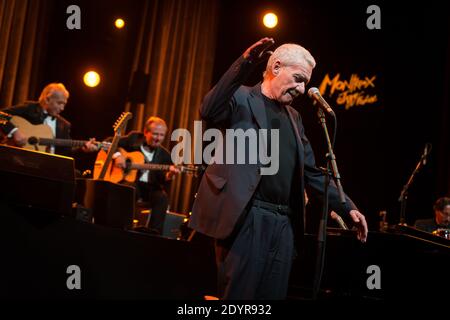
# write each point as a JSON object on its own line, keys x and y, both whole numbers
{"x": 277, "y": 188}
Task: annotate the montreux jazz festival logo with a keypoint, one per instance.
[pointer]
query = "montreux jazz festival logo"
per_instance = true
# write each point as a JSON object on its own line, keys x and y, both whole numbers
{"x": 353, "y": 92}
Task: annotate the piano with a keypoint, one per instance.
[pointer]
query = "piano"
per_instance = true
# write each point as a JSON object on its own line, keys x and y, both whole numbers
{"x": 412, "y": 264}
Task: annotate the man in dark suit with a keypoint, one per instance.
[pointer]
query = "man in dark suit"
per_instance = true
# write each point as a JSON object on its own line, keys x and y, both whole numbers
{"x": 152, "y": 187}
{"x": 441, "y": 218}
{"x": 253, "y": 216}
{"x": 52, "y": 102}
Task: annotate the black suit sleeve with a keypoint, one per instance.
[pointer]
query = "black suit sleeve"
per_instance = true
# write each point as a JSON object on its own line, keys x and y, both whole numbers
{"x": 20, "y": 110}
{"x": 218, "y": 104}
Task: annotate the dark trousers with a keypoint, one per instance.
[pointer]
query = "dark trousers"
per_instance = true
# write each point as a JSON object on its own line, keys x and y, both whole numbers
{"x": 255, "y": 263}
{"x": 158, "y": 202}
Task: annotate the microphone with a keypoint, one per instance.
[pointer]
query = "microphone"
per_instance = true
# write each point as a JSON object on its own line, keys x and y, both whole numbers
{"x": 314, "y": 93}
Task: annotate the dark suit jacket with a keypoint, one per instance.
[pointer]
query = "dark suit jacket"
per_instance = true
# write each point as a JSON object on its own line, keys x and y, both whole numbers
{"x": 226, "y": 189}
{"x": 133, "y": 142}
{"x": 427, "y": 225}
{"x": 33, "y": 112}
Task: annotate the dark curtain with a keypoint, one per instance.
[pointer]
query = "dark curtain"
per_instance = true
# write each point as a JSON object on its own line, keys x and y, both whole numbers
{"x": 173, "y": 66}
{"x": 443, "y": 150}
{"x": 24, "y": 26}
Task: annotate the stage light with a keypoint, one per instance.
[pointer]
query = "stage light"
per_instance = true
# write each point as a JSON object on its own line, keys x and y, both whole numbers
{"x": 119, "y": 23}
{"x": 270, "y": 20}
{"x": 91, "y": 79}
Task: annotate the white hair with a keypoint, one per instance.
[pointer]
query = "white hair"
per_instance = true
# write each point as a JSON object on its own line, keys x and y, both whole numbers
{"x": 51, "y": 88}
{"x": 290, "y": 54}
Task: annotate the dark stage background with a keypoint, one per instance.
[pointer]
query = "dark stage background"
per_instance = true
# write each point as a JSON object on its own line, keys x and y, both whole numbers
{"x": 378, "y": 144}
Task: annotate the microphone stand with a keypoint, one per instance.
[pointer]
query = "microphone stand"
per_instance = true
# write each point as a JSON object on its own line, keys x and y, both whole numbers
{"x": 404, "y": 194}
{"x": 321, "y": 236}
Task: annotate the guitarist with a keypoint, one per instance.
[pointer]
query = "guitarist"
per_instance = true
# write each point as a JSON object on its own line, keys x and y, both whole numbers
{"x": 152, "y": 187}
{"x": 52, "y": 102}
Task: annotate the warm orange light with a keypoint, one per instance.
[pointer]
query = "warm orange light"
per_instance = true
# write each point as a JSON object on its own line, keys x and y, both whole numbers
{"x": 91, "y": 79}
{"x": 119, "y": 23}
{"x": 270, "y": 20}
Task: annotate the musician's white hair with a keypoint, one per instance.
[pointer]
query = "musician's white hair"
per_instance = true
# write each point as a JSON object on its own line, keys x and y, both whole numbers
{"x": 154, "y": 119}
{"x": 51, "y": 88}
{"x": 289, "y": 54}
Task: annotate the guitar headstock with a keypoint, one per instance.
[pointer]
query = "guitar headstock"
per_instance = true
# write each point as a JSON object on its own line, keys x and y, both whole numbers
{"x": 121, "y": 123}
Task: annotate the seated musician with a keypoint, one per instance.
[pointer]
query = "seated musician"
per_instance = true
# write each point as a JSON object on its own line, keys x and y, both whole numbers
{"x": 52, "y": 102}
{"x": 152, "y": 187}
{"x": 441, "y": 218}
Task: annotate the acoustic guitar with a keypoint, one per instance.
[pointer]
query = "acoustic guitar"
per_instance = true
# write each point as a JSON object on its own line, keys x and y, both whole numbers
{"x": 32, "y": 130}
{"x": 135, "y": 161}
{"x": 112, "y": 204}
{"x": 40, "y": 136}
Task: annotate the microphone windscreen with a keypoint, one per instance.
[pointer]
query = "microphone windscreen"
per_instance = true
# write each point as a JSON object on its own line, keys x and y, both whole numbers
{"x": 312, "y": 91}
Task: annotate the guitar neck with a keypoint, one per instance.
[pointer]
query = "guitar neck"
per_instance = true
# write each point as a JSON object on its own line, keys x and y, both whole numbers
{"x": 68, "y": 143}
{"x": 61, "y": 142}
{"x": 150, "y": 166}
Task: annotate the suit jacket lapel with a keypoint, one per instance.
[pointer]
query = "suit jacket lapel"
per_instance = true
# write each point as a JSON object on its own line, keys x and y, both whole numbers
{"x": 256, "y": 103}
{"x": 294, "y": 122}
{"x": 155, "y": 158}
{"x": 37, "y": 113}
